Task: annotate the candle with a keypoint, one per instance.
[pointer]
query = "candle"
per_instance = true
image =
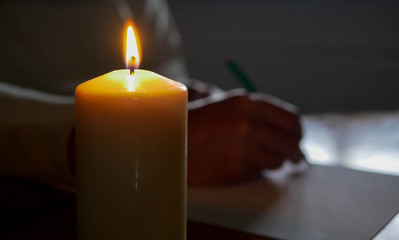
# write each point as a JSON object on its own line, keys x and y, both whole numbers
{"x": 131, "y": 155}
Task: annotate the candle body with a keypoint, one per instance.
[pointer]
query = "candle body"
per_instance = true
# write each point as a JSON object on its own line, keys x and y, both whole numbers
{"x": 131, "y": 157}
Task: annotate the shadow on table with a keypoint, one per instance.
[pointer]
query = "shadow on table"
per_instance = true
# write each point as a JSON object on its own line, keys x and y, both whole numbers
{"x": 32, "y": 211}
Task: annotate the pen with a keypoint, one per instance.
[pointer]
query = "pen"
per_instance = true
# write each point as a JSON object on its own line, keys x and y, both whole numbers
{"x": 250, "y": 87}
{"x": 240, "y": 75}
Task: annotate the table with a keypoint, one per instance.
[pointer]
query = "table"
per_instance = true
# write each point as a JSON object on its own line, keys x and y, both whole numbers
{"x": 32, "y": 211}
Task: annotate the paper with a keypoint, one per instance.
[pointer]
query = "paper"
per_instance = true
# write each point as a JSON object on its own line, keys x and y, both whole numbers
{"x": 318, "y": 203}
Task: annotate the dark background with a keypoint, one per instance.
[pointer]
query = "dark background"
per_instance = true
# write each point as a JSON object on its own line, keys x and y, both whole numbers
{"x": 323, "y": 56}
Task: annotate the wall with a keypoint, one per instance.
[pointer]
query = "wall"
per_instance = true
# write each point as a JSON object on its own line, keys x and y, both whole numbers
{"x": 321, "y": 55}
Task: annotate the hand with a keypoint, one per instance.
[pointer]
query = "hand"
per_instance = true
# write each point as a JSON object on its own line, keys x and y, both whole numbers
{"x": 233, "y": 136}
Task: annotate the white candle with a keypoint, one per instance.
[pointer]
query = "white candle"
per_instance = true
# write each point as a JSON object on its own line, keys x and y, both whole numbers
{"x": 131, "y": 157}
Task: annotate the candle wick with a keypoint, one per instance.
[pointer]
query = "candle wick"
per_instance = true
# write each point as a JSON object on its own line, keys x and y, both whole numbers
{"x": 132, "y": 62}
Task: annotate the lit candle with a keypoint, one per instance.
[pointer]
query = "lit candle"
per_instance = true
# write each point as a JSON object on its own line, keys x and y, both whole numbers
{"x": 131, "y": 155}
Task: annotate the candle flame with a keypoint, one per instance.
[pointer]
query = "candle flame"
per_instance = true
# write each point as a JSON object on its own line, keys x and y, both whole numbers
{"x": 132, "y": 48}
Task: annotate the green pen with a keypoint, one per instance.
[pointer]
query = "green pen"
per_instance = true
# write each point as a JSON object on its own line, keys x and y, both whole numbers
{"x": 240, "y": 75}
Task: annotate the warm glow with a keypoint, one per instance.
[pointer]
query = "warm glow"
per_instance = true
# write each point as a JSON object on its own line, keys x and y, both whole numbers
{"x": 132, "y": 47}
{"x": 131, "y": 83}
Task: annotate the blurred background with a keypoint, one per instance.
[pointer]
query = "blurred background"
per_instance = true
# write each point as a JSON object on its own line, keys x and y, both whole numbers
{"x": 323, "y": 56}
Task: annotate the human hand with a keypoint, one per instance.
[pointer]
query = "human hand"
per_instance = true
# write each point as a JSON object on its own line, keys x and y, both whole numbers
{"x": 233, "y": 136}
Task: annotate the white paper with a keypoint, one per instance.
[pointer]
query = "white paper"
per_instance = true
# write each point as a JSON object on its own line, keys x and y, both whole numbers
{"x": 317, "y": 203}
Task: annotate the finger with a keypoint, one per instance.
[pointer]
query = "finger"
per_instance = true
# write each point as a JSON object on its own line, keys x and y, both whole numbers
{"x": 284, "y": 118}
{"x": 273, "y": 101}
{"x": 274, "y": 139}
{"x": 263, "y": 158}
{"x": 297, "y": 156}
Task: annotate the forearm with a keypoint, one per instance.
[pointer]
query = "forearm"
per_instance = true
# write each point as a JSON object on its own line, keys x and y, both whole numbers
{"x": 34, "y": 132}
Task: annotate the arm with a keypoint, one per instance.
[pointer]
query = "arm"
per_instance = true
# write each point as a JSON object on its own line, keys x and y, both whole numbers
{"x": 34, "y": 143}
{"x": 232, "y": 136}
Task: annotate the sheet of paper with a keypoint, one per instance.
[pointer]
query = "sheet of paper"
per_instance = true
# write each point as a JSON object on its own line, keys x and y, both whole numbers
{"x": 318, "y": 203}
